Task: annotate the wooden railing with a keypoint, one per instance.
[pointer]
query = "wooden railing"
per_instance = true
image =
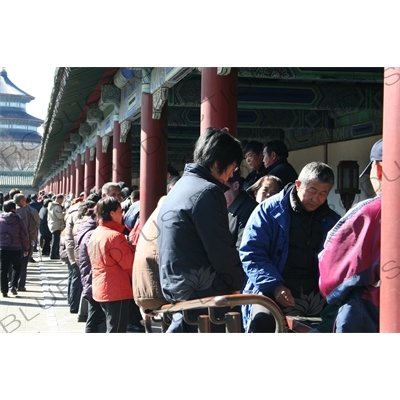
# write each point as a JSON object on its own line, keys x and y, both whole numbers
{"x": 232, "y": 320}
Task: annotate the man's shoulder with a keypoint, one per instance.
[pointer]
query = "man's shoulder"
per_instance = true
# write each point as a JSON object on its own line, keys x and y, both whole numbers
{"x": 32, "y": 210}
{"x": 371, "y": 204}
{"x": 242, "y": 203}
{"x": 364, "y": 207}
{"x": 22, "y": 211}
{"x": 367, "y": 210}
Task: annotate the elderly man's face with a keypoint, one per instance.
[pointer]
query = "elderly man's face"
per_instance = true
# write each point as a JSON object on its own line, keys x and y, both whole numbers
{"x": 115, "y": 191}
{"x": 313, "y": 194}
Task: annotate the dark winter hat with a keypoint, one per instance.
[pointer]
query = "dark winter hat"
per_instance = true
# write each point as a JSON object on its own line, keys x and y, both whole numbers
{"x": 375, "y": 155}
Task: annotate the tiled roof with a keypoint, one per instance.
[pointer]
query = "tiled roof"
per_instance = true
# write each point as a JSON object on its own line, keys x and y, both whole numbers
{"x": 7, "y": 87}
{"x": 17, "y": 113}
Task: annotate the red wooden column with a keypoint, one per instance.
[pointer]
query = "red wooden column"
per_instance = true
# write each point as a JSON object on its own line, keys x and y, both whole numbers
{"x": 219, "y": 99}
{"x": 69, "y": 173}
{"x": 390, "y": 230}
{"x": 89, "y": 180}
{"x": 58, "y": 183}
{"x": 103, "y": 161}
{"x": 153, "y": 157}
{"x": 61, "y": 182}
{"x": 72, "y": 185}
{"x": 122, "y": 153}
{"x": 79, "y": 175}
{"x": 65, "y": 181}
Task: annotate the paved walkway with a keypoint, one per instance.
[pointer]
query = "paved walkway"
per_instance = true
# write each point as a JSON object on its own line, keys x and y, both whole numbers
{"x": 43, "y": 308}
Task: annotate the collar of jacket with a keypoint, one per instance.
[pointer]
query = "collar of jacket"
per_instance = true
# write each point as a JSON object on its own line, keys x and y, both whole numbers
{"x": 112, "y": 225}
{"x": 296, "y": 206}
{"x": 7, "y": 216}
{"x": 280, "y": 161}
{"x": 203, "y": 172}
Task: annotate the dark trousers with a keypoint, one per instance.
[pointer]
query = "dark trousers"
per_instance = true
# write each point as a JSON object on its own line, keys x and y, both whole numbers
{"x": 45, "y": 245}
{"x": 24, "y": 268}
{"x": 83, "y": 308}
{"x": 55, "y": 244}
{"x": 96, "y": 321}
{"x": 10, "y": 259}
{"x": 262, "y": 321}
{"x": 117, "y": 313}
{"x": 135, "y": 318}
{"x": 74, "y": 287}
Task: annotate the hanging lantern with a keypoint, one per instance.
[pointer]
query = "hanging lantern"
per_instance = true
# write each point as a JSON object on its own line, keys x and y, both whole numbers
{"x": 347, "y": 182}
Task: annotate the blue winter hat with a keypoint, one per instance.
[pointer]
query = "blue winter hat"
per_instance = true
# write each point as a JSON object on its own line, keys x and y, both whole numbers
{"x": 375, "y": 155}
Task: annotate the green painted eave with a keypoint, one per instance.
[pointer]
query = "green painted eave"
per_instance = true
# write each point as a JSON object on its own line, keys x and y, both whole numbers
{"x": 74, "y": 90}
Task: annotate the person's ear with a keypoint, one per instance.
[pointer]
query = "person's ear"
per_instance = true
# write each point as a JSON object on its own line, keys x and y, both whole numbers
{"x": 378, "y": 170}
{"x": 236, "y": 186}
{"x": 298, "y": 184}
{"x": 213, "y": 168}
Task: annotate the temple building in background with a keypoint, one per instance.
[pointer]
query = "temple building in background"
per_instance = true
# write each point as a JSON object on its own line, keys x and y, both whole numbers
{"x": 19, "y": 138}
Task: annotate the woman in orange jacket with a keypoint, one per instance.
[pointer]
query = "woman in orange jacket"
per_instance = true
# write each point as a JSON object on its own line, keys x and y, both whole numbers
{"x": 111, "y": 257}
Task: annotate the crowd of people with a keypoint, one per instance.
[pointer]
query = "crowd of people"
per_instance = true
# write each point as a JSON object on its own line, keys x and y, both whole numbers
{"x": 214, "y": 232}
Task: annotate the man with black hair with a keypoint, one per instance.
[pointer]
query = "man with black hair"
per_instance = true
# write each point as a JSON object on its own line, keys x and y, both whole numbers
{"x": 126, "y": 202}
{"x": 253, "y": 154}
{"x": 240, "y": 206}
{"x": 197, "y": 253}
{"x": 35, "y": 203}
{"x": 172, "y": 173}
{"x": 132, "y": 215}
{"x": 275, "y": 154}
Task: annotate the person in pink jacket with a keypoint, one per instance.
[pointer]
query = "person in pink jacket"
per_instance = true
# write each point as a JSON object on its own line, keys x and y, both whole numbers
{"x": 349, "y": 264}
{"x": 111, "y": 257}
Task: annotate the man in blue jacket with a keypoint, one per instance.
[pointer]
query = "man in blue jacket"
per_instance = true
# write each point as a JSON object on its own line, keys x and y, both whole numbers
{"x": 280, "y": 247}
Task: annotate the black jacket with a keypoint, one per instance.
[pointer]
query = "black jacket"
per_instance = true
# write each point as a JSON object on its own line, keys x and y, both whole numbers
{"x": 283, "y": 170}
{"x": 239, "y": 212}
{"x": 197, "y": 253}
{"x": 44, "y": 227}
{"x": 253, "y": 177}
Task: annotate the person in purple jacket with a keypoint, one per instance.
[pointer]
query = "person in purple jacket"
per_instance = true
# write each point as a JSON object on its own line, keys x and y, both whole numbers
{"x": 95, "y": 322}
{"x": 14, "y": 244}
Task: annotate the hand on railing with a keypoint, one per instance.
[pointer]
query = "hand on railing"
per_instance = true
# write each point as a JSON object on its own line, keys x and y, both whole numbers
{"x": 283, "y": 297}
